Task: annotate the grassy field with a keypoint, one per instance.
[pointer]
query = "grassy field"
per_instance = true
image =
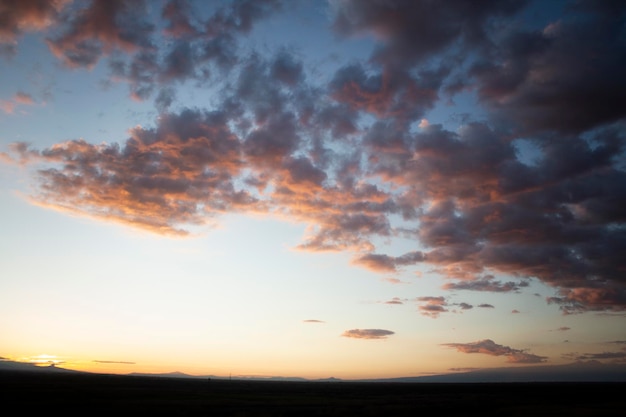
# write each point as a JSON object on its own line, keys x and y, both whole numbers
{"x": 29, "y": 393}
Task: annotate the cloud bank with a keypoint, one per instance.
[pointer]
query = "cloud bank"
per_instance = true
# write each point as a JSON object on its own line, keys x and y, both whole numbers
{"x": 351, "y": 156}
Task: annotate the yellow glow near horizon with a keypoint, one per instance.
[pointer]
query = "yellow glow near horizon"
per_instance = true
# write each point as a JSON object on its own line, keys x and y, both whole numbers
{"x": 43, "y": 359}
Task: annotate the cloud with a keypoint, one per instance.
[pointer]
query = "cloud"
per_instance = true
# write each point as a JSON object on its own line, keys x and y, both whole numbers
{"x": 19, "y": 99}
{"x": 367, "y": 333}
{"x": 613, "y": 357}
{"x": 313, "y": 321}
{"x": 179, "y": 15}
{"x": 542, "y": 80}
{"x": 432, "y": 306}
{"x": 27, "y": 16}
{"x": 382, "y": 262}
{"x": 393, "y": 280}
{"x": 145, "y": 58}
{"x": 179, "y": 173}
{"x": 489, "y": 347}
{"x": 388, "y": 94}
{"x": 563, "y": 329}
{"x": 116, "y": 362}
{"x": 411, "y": 31}
{"x": 101, "y": 28}
{"x": 486, "y": 284}
{"x": 485, "y": 306}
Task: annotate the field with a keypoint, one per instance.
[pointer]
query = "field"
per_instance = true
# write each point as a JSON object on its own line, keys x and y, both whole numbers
{"x": 29, "y": 393}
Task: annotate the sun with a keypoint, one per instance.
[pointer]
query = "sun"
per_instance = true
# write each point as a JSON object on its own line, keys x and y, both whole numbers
{"x": 43, "y": 360}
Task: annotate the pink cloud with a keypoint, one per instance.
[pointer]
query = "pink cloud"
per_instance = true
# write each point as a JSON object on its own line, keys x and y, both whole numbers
{"x": 28, "y": 16}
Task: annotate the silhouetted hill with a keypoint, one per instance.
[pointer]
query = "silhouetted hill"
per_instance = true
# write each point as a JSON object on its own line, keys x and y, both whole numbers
{"x": 6, "y": 365}
{"x": 79, "y": 394}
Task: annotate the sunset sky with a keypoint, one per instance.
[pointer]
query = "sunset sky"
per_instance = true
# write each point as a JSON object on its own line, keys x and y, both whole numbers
{"x": 347, "y": 188}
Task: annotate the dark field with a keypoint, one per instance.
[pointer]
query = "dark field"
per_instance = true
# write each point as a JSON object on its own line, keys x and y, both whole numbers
{"x": 30, "y": 393}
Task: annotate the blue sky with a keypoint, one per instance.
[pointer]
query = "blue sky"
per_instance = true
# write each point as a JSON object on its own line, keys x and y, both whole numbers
{"x": 350, "y": 188}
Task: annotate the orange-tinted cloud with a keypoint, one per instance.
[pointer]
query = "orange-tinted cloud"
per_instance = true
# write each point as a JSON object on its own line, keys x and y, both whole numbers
{"x": 27, "y": 16}
{"x": 180, "y": 173}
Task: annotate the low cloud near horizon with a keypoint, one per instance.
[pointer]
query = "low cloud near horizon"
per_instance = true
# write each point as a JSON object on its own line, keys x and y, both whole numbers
{"x": 489, "y": 347}
{"x": 116, "y": 362}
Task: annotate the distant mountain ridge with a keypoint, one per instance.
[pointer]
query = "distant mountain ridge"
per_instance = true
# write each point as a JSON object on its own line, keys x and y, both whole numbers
{"x": 591, "y": 371}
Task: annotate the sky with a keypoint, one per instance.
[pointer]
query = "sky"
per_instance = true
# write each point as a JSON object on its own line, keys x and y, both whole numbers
{"x": 346, "y": 188}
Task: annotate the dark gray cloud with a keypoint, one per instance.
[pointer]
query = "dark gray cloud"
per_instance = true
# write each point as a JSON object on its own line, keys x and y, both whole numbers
{"x": 565, "y": 77}
{"x": 412, "y": 31}
{"x": 91, "y": 30}
{"x": 487, "y": 283}
{"x": 489, "y": 347}
{"x": 611, "y": 357}
{"x": 179, "y": 15}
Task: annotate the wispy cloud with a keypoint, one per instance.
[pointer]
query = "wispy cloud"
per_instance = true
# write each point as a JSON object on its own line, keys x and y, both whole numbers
{"x": 562, "y": 329}
{"x": 394, "y": 280}
{"x": 313, "y": 321}
{"x": 116, "y": 362}
{"x": 487, "y": 283}
{"x": 611, "y": 357}
{"x": 19, "y": 99}
{"x": 395, "y": 300}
